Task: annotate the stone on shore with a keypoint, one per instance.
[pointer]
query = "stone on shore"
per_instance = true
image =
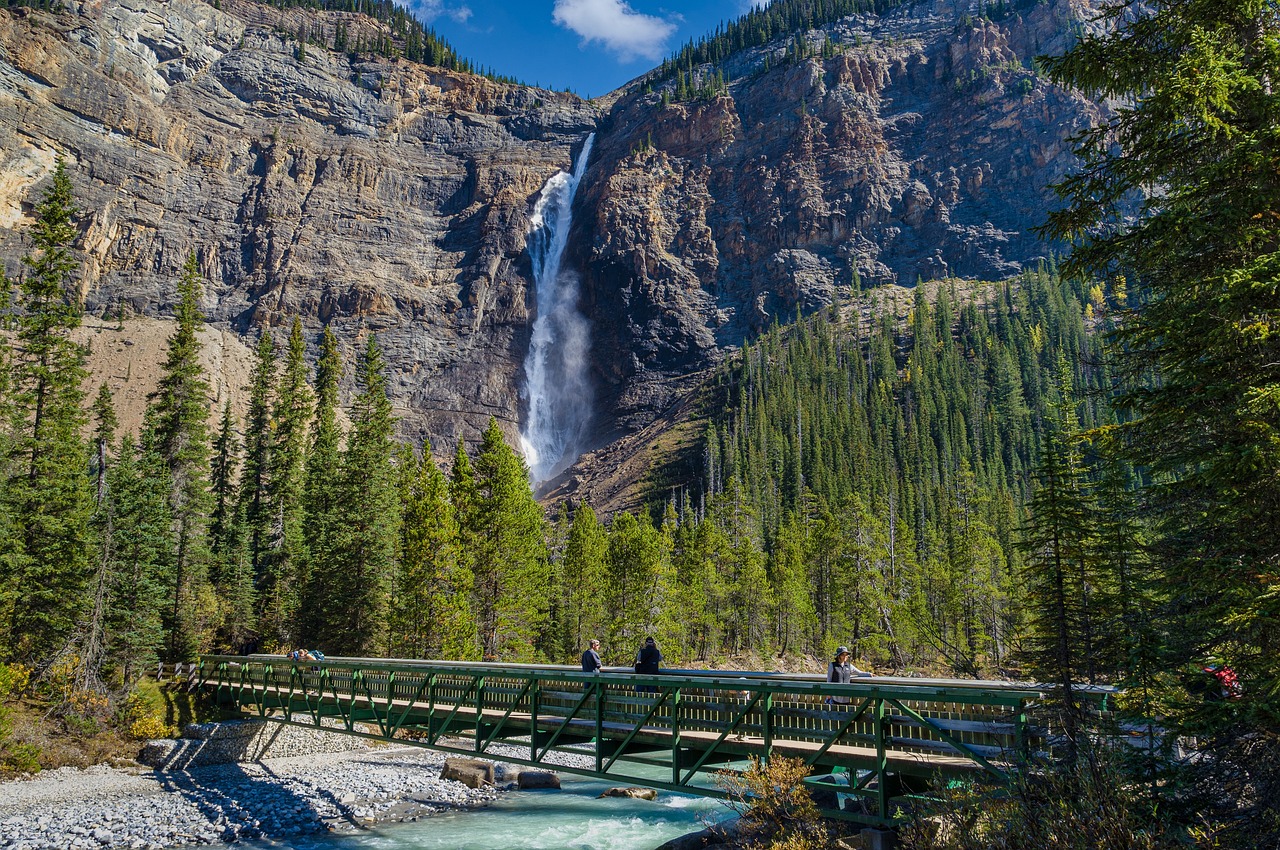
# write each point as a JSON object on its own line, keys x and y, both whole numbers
{"x": 472, "y": 773}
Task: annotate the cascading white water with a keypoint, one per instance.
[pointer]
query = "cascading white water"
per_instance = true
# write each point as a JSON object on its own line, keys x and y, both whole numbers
{"x": 557, "y": 387}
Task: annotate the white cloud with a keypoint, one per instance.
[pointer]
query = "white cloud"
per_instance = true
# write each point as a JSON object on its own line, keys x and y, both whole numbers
{"x": 428, "y": 10}
{"x": 617, "y": 26}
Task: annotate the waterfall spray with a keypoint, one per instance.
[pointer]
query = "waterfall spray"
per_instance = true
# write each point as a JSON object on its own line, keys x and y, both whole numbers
{"x": 557, "y": 387}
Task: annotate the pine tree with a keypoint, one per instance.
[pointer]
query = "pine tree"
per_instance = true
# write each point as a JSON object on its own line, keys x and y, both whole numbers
{"x": 255, "y": 481}
{"x": 365, "y": 544}
{"x": 583, "y": 579}
{"x": 632, "y": 590}
{"x": 322, "y": 507}
{"x": 430, "y": 611}
{"x": 178, "y": 416}
{"x": 50, "y": 495}
{"x": 286, "y": 554}
{"x": 505, "y": 528}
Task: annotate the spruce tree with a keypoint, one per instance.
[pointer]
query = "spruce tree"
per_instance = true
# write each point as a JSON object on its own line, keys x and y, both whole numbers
{"x": 505, "y": 529}
{"x": 430, "y": 610}
{"x": 144, "y": 549}
{"x": 178, "y": 417}
{"x": 92, "y": 641}
{"x": 50, "y": 495}
{"x": 322, "y": 507}
{"x": 1058, "y": 549}
{"x": 223, "y": 528}
{"x": 1196, "y": 83}
{"x": 286, "y": 555}
{"x": 365, "y": 543}
{"x": 255, "y": 481}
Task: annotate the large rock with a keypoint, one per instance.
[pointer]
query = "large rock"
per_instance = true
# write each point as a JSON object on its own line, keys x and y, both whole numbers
{"x": 472, "y": 773}
{"x": 537, "y": 779}
{"x": 633, "y": 793}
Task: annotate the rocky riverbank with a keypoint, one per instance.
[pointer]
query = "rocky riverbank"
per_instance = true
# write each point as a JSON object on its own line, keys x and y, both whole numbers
{"x": 277, "y": 798}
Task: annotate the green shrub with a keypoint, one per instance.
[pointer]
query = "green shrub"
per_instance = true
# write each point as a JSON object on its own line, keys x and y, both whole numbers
{"x": 14, "y": 755}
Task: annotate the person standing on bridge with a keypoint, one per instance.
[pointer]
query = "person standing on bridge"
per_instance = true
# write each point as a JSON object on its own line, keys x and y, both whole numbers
{"x": 591, "y": 662}
{"x": 648, "y": 660}
{"x": 841, "y": 672}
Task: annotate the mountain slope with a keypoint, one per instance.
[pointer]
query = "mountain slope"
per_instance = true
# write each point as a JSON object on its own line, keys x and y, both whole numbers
{"x": 380, "y": 195}
{"x": 922, "y": 146}
{"x": 372, "y": 194}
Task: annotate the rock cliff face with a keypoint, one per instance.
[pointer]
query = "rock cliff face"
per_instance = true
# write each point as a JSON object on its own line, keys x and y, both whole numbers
{"x": 923, "y": 148}
{"x": 377, "y": 196}
{"x": 383, "y": 196}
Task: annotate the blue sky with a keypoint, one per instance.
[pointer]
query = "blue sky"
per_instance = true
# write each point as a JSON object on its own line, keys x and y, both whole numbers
{"x": 591, "y": 46}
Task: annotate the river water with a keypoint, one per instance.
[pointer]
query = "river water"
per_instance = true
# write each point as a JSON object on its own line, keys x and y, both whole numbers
{"x": 572, "y": 818}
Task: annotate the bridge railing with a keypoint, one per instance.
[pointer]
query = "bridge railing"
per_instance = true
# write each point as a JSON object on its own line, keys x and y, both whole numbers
{"x": 881, "y": 730}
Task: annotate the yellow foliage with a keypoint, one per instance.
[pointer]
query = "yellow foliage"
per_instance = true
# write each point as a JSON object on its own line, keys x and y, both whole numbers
{"x": 13, "y": 679}
{"x": 776, "y": 810}
{"x": 148, "y": 727}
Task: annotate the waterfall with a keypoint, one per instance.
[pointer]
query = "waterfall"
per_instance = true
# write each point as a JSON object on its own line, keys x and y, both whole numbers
{"x": 557, "y": 387}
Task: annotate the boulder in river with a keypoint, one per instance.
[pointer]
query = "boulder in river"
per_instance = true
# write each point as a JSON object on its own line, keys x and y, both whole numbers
{"x": 633, "y": 793}
{"x": 472, "y": 773}
{"x": 535, "y": 779}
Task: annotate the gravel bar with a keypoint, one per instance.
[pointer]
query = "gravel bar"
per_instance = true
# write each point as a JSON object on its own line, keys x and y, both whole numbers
{"x": 104, "y": 807}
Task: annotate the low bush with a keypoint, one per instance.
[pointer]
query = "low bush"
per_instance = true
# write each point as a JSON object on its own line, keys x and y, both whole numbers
{"x": 775, "y": 809}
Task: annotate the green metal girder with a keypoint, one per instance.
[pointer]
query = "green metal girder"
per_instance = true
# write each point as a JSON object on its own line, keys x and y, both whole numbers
{"x": 485, "y": 703}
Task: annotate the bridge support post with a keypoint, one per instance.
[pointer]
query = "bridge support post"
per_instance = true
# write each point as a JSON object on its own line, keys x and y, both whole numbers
{"x": 534, "y": 690}
{"x": 766, "y": 722}
{"x": 878, "y": 838}
{"x": 675, "y": 736}
{"x": 599, "y": 726}
{"x": 480, "y": 715}
{"x": 882, "y": 762}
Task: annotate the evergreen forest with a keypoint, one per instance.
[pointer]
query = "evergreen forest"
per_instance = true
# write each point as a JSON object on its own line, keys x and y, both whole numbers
{"x": 864, "y": 481}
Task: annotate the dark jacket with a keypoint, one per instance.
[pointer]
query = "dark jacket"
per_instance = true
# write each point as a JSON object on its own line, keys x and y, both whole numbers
{"x": 591, "y": 661}
{"x": 649, "y": 659}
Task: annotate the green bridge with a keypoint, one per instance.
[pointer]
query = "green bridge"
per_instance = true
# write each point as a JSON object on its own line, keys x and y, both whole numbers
{"x": 875, "y": 750}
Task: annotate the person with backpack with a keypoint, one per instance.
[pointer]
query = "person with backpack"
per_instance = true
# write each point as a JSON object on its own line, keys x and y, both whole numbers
{"x": 648, "y": 660}
{"x": 841, "y": 672}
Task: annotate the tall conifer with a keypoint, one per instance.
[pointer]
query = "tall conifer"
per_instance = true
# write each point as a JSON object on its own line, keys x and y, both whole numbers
{"x": 364, "y": 554}
{"x": 50, "y": 494}
{"x": 430, "y": 610}
{"x": 321, "y": 498}
{"x": 178, "y": 417}
{"x": 292, "y": 415}
{"x": 255, "y": 481}
{"x": 506, "y": 531}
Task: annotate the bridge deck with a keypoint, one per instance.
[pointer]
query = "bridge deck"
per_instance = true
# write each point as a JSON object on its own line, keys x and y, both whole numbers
{"x": 692, "y": 723}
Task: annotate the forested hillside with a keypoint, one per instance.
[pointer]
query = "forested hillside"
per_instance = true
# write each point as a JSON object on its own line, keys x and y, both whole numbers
{"x": 881, "y": 464}
{"x": 866, "y": 477}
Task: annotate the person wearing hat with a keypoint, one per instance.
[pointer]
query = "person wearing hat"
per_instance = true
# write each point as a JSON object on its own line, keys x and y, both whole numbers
{"x": 841, "y": 672}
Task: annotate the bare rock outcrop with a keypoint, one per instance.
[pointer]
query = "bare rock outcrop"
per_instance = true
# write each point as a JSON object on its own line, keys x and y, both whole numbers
{"x": 923, "y": 146}
{"x": 373, "y": 195}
